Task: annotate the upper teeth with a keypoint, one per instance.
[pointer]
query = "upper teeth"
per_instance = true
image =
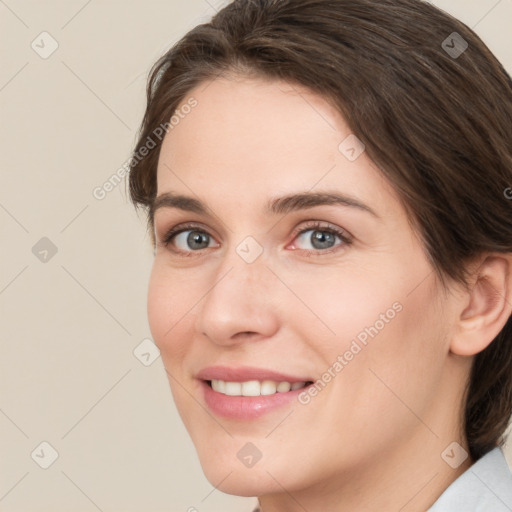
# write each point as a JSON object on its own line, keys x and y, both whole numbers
{"x": 254, "y": 387}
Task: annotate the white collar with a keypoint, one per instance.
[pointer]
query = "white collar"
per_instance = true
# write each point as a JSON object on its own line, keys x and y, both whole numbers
{"x": 486, "y": 486}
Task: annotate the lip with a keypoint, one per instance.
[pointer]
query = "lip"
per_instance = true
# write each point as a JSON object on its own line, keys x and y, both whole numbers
{"x": 245, "y": 373}
{"x": 246, "y": 407}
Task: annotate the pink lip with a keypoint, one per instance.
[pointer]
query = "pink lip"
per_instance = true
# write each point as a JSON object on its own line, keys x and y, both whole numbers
{"x": 245, "y": 407}
{"x": 245, "y": 373}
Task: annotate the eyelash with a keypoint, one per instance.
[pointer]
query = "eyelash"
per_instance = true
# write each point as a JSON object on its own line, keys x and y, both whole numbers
{"x": 310, "y": 226}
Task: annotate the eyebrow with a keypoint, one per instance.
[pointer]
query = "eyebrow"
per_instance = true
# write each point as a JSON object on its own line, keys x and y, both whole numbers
{"x": 278, "y": 205}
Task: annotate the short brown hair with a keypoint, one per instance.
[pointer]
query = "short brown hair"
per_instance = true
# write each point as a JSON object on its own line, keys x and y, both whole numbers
{"x": 437, "y": 122}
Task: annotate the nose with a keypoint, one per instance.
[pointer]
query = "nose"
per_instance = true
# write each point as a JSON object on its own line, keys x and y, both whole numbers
{"x": 240, "y": 303}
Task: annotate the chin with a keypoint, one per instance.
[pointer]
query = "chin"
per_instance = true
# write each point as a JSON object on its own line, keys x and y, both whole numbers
{"x": 241, "y": 481}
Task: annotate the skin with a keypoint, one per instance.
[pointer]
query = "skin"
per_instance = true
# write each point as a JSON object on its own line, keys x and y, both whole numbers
{"x": 372, "y": 439}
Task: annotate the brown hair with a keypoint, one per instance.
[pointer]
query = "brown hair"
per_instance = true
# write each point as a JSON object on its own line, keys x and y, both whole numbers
{"x": 436, "y": 119}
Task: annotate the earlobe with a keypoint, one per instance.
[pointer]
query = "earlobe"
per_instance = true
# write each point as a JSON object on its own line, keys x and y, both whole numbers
{"x": 488, "y": 306}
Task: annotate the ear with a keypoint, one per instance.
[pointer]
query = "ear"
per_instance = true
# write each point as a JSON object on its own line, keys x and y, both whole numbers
{"x": 487, "y": 306}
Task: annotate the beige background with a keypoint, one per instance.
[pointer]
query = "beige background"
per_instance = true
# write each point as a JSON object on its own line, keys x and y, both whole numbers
{"x": 70, "y": 324}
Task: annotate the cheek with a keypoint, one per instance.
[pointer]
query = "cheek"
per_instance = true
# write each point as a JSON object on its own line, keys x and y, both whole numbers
{"x": 169, "y": 302}
{"x": 401, "y": 365}
{"x": 375, "y": 322}
{"x": 167, "y": 306}
{"x": 159, "y": 306}
{"x": 342, "y": 304}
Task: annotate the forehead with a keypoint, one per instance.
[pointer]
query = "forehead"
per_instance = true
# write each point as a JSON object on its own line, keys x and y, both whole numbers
{"x": 252, "y": 137}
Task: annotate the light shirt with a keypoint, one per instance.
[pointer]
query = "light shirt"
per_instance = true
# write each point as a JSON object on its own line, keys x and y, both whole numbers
{"x": 484, "y": 487}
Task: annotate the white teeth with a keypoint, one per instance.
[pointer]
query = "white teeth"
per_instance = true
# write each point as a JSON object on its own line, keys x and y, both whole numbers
{"x": 219, "y": 385}
{"x": 268, "y": 387}
{"x": 251, "y": 388}
{"x": 233, "y": 388}
{"x": 283, "y": 387}
{"x": 254, "y": 387}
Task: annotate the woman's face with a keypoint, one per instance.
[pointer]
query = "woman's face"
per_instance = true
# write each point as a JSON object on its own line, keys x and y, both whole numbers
{"x": 262, "y": 288}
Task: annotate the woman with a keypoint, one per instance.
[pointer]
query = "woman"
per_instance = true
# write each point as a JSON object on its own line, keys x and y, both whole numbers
{"x": 332, "y": 285}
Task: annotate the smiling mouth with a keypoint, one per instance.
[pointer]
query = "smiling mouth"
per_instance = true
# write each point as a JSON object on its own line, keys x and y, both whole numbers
{"x": 255, "y": 387}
